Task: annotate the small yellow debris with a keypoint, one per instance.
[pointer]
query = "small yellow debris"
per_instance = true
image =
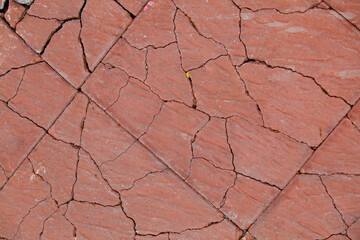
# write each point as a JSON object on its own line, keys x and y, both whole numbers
{"x": 187, "y": 75}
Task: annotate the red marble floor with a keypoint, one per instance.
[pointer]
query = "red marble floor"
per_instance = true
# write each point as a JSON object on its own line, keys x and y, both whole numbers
{"x": 180, "y": 119}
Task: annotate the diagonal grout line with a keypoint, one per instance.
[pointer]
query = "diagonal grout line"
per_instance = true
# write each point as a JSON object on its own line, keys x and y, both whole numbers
{"x": 286, "y": 186}
{"x": 159, "y": 159}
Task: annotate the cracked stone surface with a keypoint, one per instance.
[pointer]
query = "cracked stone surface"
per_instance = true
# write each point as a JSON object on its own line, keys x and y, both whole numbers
{"x": 14, "y": 13}
{"x": 36, "y": 31}
{"x": 308, "y": 115}
{"x": 340, "y": 153}
{"x": 18, "y": 137}
{"x": 41, "y": 95}
{"x": 180, "y": 119}
{"x": 301, "y": 45}
{"x": 20, "y": 54}
{"x": 220, "y": 92}
{"x": 348, "y": 9}
{"x": 170, "y": 205}
{"x": 304, "y": 210}
{"x": 56, "y": 163}
{"x": 65, "y": 53}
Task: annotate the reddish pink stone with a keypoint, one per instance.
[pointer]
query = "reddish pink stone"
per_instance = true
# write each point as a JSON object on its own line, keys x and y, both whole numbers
{"x": 209, "y": 181}
{"x": 246, "y": 200}
{"x": 308, "y": 43}
{"x": 14, "y": 13}
{"x": 354, "y": 230}
{"x": 104, "y": 85}
{"x": 284, "y": 6}
{"x": 220, "y": 92}
{"x": 166, "y": 77}
{"x": 68, "y": 126}
{"x": 18, "y": 137}
{"x": 42, "y": 95}
{"x": 154, "y": 26}
{"x": 291, "y": 103}
{"x": 32, "y": 224}
{"x": 58, "y": 227}
{"x": 36, "y": 31}
{"x": 139, "y": 103}
{"x": 171, "y": 133}
{"x": 194, "y": 48}
{"x": 22, "y": 192}
{"x": 97, "y": 222}
{"x": 150, "y": 237}
{"x": 102, "y": 25}
{"x": 58, "y": 9}
{"x": 3, "y": 177}
{"x": 9, "y": 84}
{"x": 102, "y": 137}
{"x": 218, "y": 231}
{"x": 219, "y": 20}
{"x": 263, "y": 154}
{"x": 65, "y": 54}
{"x": 56, "y": 162}
{"x": 133, "y": 6}
{"x": 20, "y": 54}
{"x": 338, "y": 237}
{"x": 132, "y": 165}
{"x": 340, "y": 153}
{"x": 90, "y": 185}
{"x": 345, "y": 190}
{"x": 127, "y": 58}
{"x": 211, "y": 143}
{"x": 304, "y": 210}
{"x": 354, "y": 114}
{"x": 161, "y": 202}
{"x": 349, "y": 9}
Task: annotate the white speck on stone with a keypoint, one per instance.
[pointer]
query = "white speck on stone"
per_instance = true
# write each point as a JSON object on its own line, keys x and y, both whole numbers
{"x": 247, "y": 16}
{"x": 26, "y": 2}
{"x": 276, "y": 24}
{"x": 338, "y": 16}
{"x": 295, "y": 29}
{"x": 348, "y": 15}
{"x": 2, "y": 4}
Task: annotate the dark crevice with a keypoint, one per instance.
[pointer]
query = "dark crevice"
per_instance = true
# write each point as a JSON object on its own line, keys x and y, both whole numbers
{"x": 338, "y": 12}
{"x": 18, "y": 87}
{"x": 54, "y": 32}
{"x": 279, "y": 11}
{"x": 332, "y": 200}
{"x": 81, "y": 41}
{"x": 24, "y": 66}
{"x": 130, "y": 13}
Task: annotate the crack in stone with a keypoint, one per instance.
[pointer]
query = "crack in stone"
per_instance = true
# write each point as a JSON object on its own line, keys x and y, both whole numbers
{"x": 54, "y": 32}
{"x": 21, "y": 67}
{"x": 332, "y": 200}
{"x": 182, "y": 231}
{"x": 121, "y": 88}
{"x": 17, "y": 89}
{"x": 141, "y": 178}
{"x": 131, "y": 15}
{"x": 81, "y": 41}
{"x": 23, "y": 218}
{"x": 279, "y": 11}
{"x": 181, "y": 62}
{"x": 299, "y": 73}
{"x": 353, "y": 123}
